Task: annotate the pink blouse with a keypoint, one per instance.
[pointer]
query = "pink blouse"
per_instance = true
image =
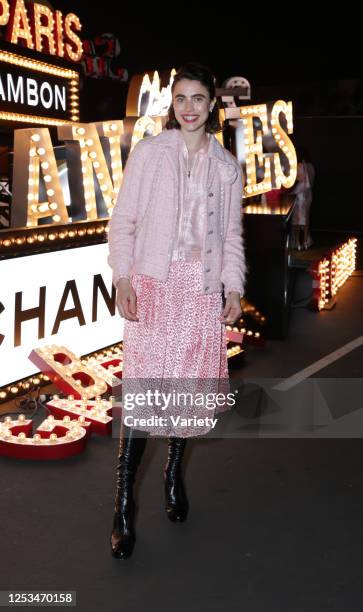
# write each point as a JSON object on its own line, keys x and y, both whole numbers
{"x": 188, "y": 240}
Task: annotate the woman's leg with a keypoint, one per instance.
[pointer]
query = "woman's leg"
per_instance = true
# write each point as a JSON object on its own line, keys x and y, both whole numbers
{"x": 295, "y": 236}
{"x": 307, "y": 238}
{"x": 308, "y": 241}
{"x": 176, "y": 500}
{"x": 132, "y": 446}
{"x": 300, "y": 229}
{"x": 306, "y": 230}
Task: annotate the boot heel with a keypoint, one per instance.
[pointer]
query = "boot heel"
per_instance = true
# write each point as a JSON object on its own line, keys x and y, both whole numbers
{"x": 123, "y": 534}
{"x": 177, "y": 505}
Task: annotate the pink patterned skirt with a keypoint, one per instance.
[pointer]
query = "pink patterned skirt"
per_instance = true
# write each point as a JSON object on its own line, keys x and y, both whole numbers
{"x": 177, "y": 352}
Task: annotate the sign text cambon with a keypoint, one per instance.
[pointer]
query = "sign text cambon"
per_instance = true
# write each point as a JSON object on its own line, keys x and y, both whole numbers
{"x": 37, "y": 92}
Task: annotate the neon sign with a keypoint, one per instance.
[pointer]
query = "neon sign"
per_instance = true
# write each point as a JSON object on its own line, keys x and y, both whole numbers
{"x": 38, "y": 27}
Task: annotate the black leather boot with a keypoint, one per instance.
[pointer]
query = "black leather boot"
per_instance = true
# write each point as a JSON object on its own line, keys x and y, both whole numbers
{"x": 132, "y": 446}
{"x": 176, "y": 500}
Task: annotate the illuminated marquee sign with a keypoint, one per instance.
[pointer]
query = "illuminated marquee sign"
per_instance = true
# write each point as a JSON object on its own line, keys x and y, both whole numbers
{"x": 64, "y": 297}
{"x": 330, "y": 273}
{"x": 278, "y": 166}
{"x": 36, "y": 92}
{"x": 38, "y": 27}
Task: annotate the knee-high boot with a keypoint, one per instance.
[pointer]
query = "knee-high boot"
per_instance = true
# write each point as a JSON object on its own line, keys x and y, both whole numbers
{"x": 132, "y": 446}
{"x": 176, "y": 500}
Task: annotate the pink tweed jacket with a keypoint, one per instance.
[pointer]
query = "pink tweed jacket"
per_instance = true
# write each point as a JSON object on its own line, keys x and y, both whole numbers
{"x": 142, "y": 225}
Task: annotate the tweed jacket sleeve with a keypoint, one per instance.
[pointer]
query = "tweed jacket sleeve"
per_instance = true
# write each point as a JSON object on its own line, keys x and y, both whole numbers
{"x": 233, "y": 262}
{"x": 122, "y": 225}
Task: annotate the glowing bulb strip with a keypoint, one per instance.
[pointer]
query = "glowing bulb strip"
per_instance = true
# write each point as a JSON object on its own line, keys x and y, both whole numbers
{"x": 113, "y": 131}
{"x": 4, "y": 17}
{"x": 234, "y": 350}
{"x": 30, "y": 238}
{"x": 332, "y": 272}
{"x": 22, "y": 386}
{"x": 343, "y": 264}
{"x": 35, "y": 119}
{"x": 260, "y": 209}
{"x": 37, "y": 65}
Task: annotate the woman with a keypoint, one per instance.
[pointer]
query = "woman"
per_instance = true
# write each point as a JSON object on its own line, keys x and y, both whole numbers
{"x": 301, "y": 213}
{"x": 175, "y": 241}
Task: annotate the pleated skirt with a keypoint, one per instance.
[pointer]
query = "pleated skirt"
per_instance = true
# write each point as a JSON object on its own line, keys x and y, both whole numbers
{"x": 177, "y": 347}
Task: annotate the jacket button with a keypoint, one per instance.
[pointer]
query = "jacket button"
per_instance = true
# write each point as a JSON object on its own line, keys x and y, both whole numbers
{"x": 210, "y": 232}
{"x": 209, "y": 251}
{"x": 206, "y": 288}
{"x": 208, "y": 270}
{"x": 211, "y": 213}
{"x": 210, "y": 195}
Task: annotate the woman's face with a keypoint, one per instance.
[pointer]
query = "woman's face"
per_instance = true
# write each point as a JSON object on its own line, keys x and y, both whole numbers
{"x": 191, "y": 104}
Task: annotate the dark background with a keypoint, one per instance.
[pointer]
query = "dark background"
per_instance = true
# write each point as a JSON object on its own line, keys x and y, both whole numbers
{"x": 277, "y": 48}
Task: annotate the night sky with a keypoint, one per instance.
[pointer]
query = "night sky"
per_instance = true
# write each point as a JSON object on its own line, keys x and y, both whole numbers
{"x": 266, "y": 50}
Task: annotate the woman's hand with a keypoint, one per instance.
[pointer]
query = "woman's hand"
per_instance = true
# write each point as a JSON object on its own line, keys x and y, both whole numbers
{"x": 232, "y": 310}
{"x": 126, "y": 300}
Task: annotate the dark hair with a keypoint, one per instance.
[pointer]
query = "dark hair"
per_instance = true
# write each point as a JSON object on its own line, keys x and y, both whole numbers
{"x": 196, "y": 72}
